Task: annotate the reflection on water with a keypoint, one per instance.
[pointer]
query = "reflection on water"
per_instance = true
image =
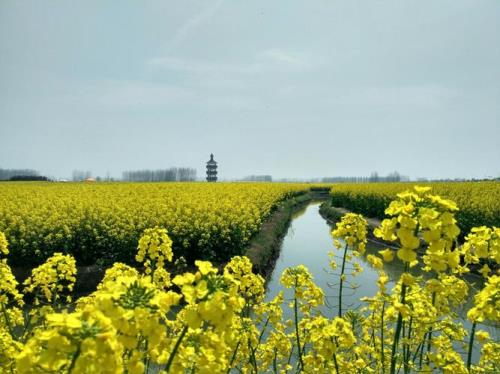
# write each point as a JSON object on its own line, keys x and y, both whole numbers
{"x": 308, "y": 242}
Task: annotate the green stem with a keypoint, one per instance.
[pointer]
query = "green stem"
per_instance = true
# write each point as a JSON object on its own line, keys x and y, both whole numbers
{"x": 176, "y": 347}
{"x": 422, "y": 352}
{"x": 290, "y": 357}
{"x": 296, "y": 317}
{"x": 7, "y": 320}
{"x": 275, "y": 365}
{"x": 382, "y": 356}
{"x": 74, "y": 358}
{"x": 397, "y": 332}
{"x": 406, "y": 349}
{"x": 253, "y": 359}
{"x": 342, "y": 280}
{"x": 415, "y": 354}
{"x": 264, "y": 329}
{"x": 430, "y": 330}
{"x": 146, "y": 357}
{"x": 471, "y": 343}
{"x": 27, "y": 326}
{"x": 336, "y": 363}
{"x": 372, "y": 337}
{"x": 233, "y": 357}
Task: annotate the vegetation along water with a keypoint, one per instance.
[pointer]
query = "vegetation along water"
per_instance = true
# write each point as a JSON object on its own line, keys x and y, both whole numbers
{"x": 414, "y": 312}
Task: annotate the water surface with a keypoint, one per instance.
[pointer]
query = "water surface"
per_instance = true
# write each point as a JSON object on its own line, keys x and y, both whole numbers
{"x": 308, "y": 242}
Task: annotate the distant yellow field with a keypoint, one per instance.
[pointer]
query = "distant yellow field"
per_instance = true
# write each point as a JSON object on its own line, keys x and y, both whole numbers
{"x": 104, "y": 221}
{"x": 479, "y": 202}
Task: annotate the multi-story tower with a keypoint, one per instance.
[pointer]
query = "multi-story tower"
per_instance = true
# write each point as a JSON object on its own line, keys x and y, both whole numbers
{"x": 211, "y": 169}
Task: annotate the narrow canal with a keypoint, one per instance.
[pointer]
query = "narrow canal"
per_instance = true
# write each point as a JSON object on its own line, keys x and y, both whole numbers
{"x": 308, "y": 242}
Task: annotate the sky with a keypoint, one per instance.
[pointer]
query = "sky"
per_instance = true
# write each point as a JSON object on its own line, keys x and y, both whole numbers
{"x": 288, "y": 88}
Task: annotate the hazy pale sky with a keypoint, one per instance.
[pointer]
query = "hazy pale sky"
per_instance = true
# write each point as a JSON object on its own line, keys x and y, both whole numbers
{"x": 287, "y": 88}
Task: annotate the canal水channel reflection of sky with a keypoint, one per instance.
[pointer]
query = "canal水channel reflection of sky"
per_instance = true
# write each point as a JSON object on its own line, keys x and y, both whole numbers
{"x": 287, "y": 88}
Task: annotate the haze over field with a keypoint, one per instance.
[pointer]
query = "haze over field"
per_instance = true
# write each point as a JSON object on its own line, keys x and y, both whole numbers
{"x": 286, "y": 88}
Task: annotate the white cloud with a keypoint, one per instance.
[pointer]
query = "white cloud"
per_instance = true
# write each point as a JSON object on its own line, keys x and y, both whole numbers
{"x": 192, "y": 24}
{"x": 284, "y": 58}
{"x": 266, "y": 61}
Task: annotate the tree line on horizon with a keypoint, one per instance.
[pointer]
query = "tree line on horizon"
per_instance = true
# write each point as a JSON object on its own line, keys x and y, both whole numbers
{"x": 373, "y": 178}
{"x": 20, "y": 174}
{"x": 172, "y": 174}
{"x": 257, "y": 178}
{"x": 185, "y": 174}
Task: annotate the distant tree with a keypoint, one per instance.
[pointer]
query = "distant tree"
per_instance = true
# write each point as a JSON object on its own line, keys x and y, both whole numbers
{"x": 160, "y": 175}
{"x": 374, "y": 177}
{"x": 28, "y": 178}
{"x": 186, "y": 174}
{"x": 258, "y": 178}
{"x": 80, "y": 175}
{"x": 393, "y": 177}
{"x": 6, "y": 174}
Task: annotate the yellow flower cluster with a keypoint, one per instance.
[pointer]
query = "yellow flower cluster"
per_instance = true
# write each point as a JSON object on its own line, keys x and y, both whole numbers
{"x": 51, "y": 279}
{"x": 487, "y": 302}
{"x": 4, "y": 250}
{"x": 216, "y": 321}
{"x": 155, "y": 246}
{"x": 482, "y": 245}
{"x": 103, "y": 222}
{"x": 352, "y": 230}
{"x": 8, "y": 285}
{"x": 420, "y": 215}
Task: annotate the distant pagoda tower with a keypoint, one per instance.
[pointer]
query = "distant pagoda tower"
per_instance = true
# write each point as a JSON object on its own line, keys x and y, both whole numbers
{"x": 211, "y": 169}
